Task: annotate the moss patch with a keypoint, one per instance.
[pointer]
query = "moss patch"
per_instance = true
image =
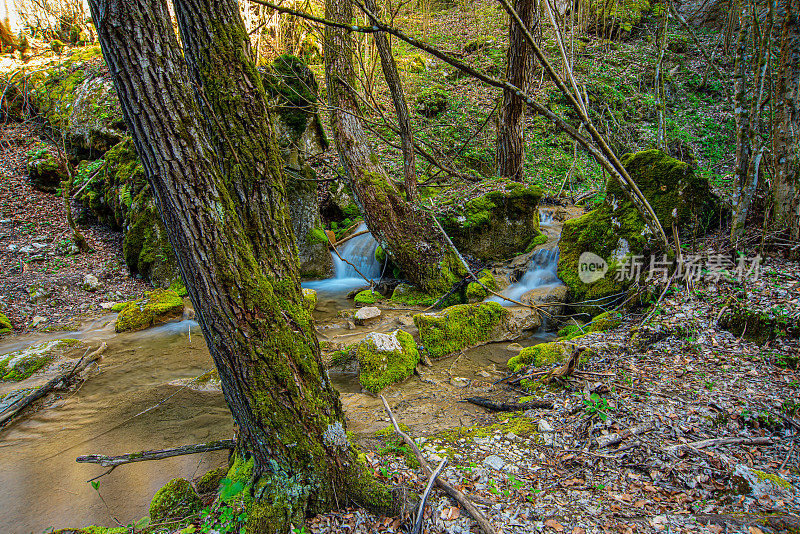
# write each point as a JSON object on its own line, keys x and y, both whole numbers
{"x": 367, "y": 297}
{"x": 544, "y": 354}
{"x": 157, "y": 306}
{"x": 384, "y": 359}
{"x": 21, "y": 364}
{"x": 209, "y": 482}
{"x": 605, "y": 321}
{"x": 175, "y": 500}
{"x": 410, "y": 296}
{"x": 476, "y": 291}
{"x": 309, "y": 299}
{"x": 459, "y": 327}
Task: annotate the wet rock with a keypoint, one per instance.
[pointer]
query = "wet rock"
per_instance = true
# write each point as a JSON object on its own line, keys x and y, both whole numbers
{"x": 21, "y": 364}
{"x": 367, "y": 315}
{"x": 514, "y": 347}
{"x": 156, "y": 307}
{"x": 459, "y": 382}
{"x": 384, "y": 359}
{"x": 496, "y": 225}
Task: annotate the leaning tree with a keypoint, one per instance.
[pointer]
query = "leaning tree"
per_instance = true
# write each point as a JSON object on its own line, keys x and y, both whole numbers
{"x": 199, "y": 120}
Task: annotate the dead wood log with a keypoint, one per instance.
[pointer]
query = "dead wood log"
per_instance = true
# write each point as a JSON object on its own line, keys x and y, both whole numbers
{"x": 143, "y": 456}
{"x": 37, "y": 394}
{"x": 462, "y": 499}
{"x": 618, "y": 437}
{"x": 718, "y": 441}
{"x": 508, "y": 406}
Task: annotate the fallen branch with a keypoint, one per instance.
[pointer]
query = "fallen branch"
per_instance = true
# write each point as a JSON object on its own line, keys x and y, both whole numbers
{"x": 618, "y": 437}
{"x": 348, "y": 238}
{"x": 508, "y": 406}
{"x": 26, "y": 401}
{"x": 114, "y": 461}
{"x": 462, "y": 499}
{"x": 421, "y": 513}
{"x": 718, "y": 441}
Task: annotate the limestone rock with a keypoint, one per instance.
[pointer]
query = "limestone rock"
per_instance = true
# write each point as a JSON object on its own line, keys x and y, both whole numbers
{"x": 384, "y": 359}
{"x": 156, "y": 307}
{"x": 21, "y": 364}
{"x": 494, "y": 462}
{"x": 90, "y": 283}
{"x": 367, "y": 315}
{"x": 45, "y": 169}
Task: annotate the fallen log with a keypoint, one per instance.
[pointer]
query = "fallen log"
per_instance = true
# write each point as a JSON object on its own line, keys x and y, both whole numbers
{"x": 718, "y": 441}
{"x": 37, "y": 394}
{"x": 618, "y": 437}
{"x": 143, "y": 456}
{"x": 508, "y": 406}
{"x": 462, "y": 499}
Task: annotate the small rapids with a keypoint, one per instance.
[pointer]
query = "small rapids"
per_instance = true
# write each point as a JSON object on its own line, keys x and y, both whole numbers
{"x": 360, "y": 253}
{"x": 542, "y": 274}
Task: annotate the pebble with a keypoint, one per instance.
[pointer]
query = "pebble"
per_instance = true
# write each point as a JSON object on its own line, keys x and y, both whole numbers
{"x": 494, "y": 462}
{"x": 459, "y": 382}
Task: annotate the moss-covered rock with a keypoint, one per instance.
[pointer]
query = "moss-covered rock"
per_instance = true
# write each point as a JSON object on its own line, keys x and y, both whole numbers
{"x": 209, "y": 482}
{"x": 432, "y": 101}
{"x": 469, "y": 325}
{"x": 21, "y": 364}
{"x": 5, "y": 324}
{"x": 309, "y": 299}
{"x": 496, "y": 225}
{"x": 571, "y": 331}
{"x": 157, "y": 306}
{"x": 477, "y": 292}
{"x": 384, "y": 359}
{"x": 45, "y": 168}
{"x": 616, "y": 17}
{"x": 544, "y": 354}
{"x": 177, "y": 499}
{"x": 605, "y": 321}
{"x": 408, "y": 295}
{"x": 615, "y": 232}
{"x": 367, "y": 297}
{"x": 759, "y": 326}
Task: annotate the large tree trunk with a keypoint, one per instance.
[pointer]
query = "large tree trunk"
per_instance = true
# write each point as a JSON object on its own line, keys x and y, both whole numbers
{"x": 786, "y": 133}
{"x": 521, "y": 60}
{"x": 407, "y": 233}
{"x": 237, "y": 263}
{"x": 401, "y": 109}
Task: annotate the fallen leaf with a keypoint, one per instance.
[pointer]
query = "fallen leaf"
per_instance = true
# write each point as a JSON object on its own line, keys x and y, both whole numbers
{"x": 555, "y": 525}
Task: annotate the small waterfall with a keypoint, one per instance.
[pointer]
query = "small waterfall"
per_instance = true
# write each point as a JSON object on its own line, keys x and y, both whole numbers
{"x": 542, "y": 273}
{"x": 545, "y": 217}
{"x": 360, "y": 252}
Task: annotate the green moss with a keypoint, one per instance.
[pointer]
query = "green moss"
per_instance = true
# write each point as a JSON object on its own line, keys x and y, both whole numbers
{"x": 389, "y": 432}
{"x": 759, "y": 326}
{"x": 119, "y": 306}
{"x": 570, "y": 331}
{"x": 21, "y": 364}
{"x": 157, "y": 305}
{"x": 180, "y": 289}
{"x": 210, "y": 482}
{"x": 605, "y": 321}
{"x": 367, "y": 297}
{"x": 93, "y": 530}
{"x": 775, "y": 479}
{"x": 290, "y": 82}
{"x": 309, "y": 299}
{"x": 410, "y": 296}
{"x": 541, "y": 355}
{"x": 380, "y": 255}
{"x": 540, "y": 239}
{"x": 476, "y": 291}
{"x": 5, "y": 323}
{"x": 384, "y": 359}
{"x": 459, "y": 327}
{"x": 514, "y": 422}
{"x": 175, "y": 500}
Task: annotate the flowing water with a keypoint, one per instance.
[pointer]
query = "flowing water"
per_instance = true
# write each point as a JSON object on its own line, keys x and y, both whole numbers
{"x": 542, "y": 274}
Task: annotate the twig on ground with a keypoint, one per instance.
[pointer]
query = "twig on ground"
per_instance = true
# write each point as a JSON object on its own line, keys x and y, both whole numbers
{"x": 421, "y": 513}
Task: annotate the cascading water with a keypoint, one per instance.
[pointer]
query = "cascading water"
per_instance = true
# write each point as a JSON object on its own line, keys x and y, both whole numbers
{"x": 545, "y": 218}
{"x": 360, "y": 252}
{"x": 542, "y": 273}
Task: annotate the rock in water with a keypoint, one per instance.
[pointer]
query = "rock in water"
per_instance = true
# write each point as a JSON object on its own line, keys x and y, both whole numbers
{"x": 384, "y": 359}
{"x": 367, "y": 315}
{"x": 157, "y": 306}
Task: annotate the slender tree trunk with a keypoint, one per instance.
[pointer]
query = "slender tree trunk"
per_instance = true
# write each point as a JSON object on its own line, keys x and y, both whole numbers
{"x": 741, "y": 111}
{"x": 401, "y": 109}
{"x": 521, "y": 61}
{"x": 408, "y": 234}
{"x": 238, "y": 264}
{"x": 786, "y": 124}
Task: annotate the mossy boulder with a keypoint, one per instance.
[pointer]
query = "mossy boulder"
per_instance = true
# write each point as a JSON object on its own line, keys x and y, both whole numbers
{"x": 468, "y": 325}
{"x": 432, "y": 102}
{"x": 45, "y": 168}
{"x": 384, "y": 359}
{"x": 496, "y": 225}
{"x": 605, "y": 321}
{"x": 477, "y": 292}
{"x": 409, "y": 295}
{"x": 5, "y": 324}
{"x": 157, "y": 306}
{"x": 209, "y": 482}
{"x": 177, "y": 499}
{"x": 544, "y": 354}
{"x": 615, "y": 232}
{"x": 367, "y": 297}
{"x": 309, "y": 299}
{"x": 759, "y": 325}
{"x": 21, "y": 364}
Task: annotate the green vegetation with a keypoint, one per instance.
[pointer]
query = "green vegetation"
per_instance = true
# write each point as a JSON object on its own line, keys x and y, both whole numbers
{"x": 158, "y": 305}
{"x": 175, "y": 500}
{"x": 459, "y": 327}
{"x": 21, "y": 364}
{"x": 384, "y": 359}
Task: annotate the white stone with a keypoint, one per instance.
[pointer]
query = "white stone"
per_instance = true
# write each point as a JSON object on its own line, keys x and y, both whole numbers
{"x": 90, "y": 283}
{"x": 367, "y": 314}
{"x": 494, "y": 462}
{"x": 459, "y": 382}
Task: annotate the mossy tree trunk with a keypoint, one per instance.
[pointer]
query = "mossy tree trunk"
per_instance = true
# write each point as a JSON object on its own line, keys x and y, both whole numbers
{"x": 786, "y": 125}
{"x": 238, "y": 265}
{"x": 401, "y": 108}
{"x": 408, "y": 233}
{"x": 521, "y": 60}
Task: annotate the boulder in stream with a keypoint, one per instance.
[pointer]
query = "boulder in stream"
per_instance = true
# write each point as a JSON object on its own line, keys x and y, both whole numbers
{"x": 468, "y": 325}
{"x": 384, "y": 359}
{"x": 157, "y": 306}
{"x": 367, "y": 315}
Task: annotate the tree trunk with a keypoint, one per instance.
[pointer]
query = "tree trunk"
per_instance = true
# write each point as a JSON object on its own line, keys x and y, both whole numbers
{"x": 407, "y": 233}
{"x": 743, "y": 126}
{"x": 786, "y": 125}
{"x": 238, "y": 264}
{"x": 521, "y": 61}
{"x": 401, "y": 109}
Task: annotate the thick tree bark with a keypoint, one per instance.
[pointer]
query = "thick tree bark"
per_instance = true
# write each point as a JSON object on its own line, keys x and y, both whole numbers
{"x": 237, "y": 263}
{"x": 407, "y": 233}
{"x": 401, "y": 109}
{"x": 521, "y": 60}
{"x": 786, "y": 133}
